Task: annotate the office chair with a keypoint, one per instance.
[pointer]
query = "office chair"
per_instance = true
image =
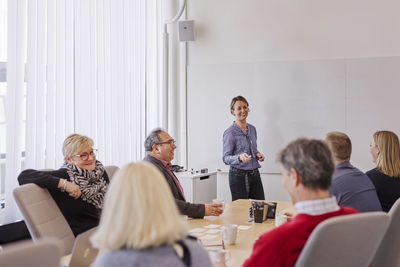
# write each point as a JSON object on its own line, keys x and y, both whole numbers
{"x": 388, "y": 251}
{"x": 42, "y": 216}
{"x": 346, "y": 241}
{"x": 43, "y": 253}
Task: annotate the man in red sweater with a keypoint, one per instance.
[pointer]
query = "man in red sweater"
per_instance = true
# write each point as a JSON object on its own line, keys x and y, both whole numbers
{"x": 306, "y": 167}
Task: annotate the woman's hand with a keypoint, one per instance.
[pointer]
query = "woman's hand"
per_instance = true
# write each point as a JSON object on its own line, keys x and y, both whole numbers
{"x": 244, "y": 158}
{"x": 260, "y": 156}
{"x": 73, "y": 190}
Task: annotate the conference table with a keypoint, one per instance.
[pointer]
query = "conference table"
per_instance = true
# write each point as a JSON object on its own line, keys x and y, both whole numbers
{"x": 237, "y": 212}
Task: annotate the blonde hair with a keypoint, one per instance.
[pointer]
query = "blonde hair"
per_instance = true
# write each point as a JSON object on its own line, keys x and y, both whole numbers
{"x": 73, "y": 143}
{"x": 388, "y": 161}
{"x": 340, "y": 145}
{"x": 139, "y": 211}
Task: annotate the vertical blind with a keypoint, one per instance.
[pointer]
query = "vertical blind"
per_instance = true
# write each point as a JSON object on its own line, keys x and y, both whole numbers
{"x": 85, "y": 66}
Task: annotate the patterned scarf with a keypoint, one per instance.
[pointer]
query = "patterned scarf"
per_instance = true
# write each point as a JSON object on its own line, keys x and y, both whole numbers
{"x": 92, "y": 183}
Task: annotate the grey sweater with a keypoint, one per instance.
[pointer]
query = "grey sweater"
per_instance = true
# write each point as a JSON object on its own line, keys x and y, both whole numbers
{"x": 160, "y": 256}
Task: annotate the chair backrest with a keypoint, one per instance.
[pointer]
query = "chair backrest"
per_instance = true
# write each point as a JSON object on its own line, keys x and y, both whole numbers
{"x": 388, "y": 251}
{"x": 111, "y": 170}
{"x": 43, "y": 253}
{"x": 42, "y": 216}
{"x": 346, "y": 241}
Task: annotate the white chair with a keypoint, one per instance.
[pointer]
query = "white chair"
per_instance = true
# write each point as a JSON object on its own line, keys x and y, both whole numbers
{"x": 388, "y": 254}
{"x": 345, "y": 241}
{"x": 44, "y": 253}
{"x": 111, "y": 170}
{"x": 42, "y": 216}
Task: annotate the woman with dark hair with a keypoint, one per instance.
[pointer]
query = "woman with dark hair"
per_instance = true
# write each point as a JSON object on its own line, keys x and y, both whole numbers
{"x": 385, "y": 152}
{"x": 241, "y": 153}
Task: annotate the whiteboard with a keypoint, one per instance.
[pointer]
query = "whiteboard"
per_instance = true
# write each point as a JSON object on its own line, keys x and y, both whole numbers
{"x": 288, "y": 100}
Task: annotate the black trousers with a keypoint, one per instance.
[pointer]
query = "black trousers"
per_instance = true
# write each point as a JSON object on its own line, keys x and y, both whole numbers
{"x": 245, "y": 184}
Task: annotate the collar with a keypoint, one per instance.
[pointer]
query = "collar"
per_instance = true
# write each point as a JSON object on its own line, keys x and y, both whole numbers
{"x": 317, "y": 207}
{"x": 344, "y": 165}
{"x": 166, "y": 164}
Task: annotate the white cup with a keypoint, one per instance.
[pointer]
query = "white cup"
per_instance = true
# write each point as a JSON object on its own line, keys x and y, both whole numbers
{"x": 280, "y": 219}
{"x": 219, "y": 201}
{"x": 221, "y": 255}
{"x": 229, "y": 233}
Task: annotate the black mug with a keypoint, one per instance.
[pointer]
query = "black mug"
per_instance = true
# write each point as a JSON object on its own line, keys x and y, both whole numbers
{"x": 271, "y": 210}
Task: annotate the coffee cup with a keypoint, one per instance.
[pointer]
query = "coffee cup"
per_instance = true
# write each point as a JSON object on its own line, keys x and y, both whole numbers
{"x": 229, "y": 234}
{"x": 219, "y": 255}
{"x": 219, "y": 201}
{"x": 280, "y": 219}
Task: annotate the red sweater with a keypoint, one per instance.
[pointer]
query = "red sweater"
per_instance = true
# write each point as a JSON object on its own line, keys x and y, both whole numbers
{"x": 282, "y": 246}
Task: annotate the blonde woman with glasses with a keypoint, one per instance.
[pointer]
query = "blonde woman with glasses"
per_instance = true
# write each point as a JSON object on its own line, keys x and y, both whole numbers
{"x": 385, "y": 152}
{"x": 140, "y": 224}
{"x": 78, "y": 187}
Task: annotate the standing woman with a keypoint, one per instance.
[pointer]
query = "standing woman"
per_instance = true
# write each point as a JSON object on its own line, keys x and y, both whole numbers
{"x": 241, "y": 153}
{"x": 385, "y": 151}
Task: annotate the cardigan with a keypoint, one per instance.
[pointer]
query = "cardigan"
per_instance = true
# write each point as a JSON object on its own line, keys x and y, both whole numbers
{"x": 387, "y": 188}
{"x": 80, "y": 215}
{"x": 186, "y": 208}
{"x": 158, "y": 256}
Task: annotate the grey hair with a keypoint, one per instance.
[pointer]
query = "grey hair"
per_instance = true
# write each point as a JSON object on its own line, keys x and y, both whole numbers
{"x": 152, "y": 139}
{"x": 313, "y": 161}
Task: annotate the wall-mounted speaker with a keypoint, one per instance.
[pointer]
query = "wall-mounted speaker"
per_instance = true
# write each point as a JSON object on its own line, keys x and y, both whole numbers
{"x": 186, "y": 30}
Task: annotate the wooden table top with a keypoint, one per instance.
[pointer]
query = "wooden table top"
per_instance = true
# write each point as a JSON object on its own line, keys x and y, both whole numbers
{"x": 237, "y": 212}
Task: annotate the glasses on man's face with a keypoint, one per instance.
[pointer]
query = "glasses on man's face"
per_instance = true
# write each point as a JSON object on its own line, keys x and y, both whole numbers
{"x": 170, "y": 142}
{"x": 85, "y": 156}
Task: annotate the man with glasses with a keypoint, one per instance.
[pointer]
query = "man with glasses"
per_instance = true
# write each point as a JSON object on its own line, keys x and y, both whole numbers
{"x": 160, "y": 147}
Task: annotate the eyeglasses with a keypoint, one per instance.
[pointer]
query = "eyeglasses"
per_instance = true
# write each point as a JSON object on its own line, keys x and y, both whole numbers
{"x": 170, "y": 142}
{"x": 85, "y": 156}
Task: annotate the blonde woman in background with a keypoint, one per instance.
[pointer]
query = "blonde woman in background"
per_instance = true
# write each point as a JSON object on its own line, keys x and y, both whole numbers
{"x": 385, "y": 152}
{"x": 140, "y": 224}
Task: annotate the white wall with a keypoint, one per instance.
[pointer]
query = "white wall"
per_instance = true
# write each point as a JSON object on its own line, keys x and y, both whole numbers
{"x": 262, "y": 30}
{"x": 243, "y": 31}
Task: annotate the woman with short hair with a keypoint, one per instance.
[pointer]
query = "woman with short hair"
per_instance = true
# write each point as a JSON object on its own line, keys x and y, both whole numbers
{"x": 78, "y": 187}
{"x": 140, "y": 224}
{"x": 385, "y": 152}
{"x": 241, "y": 153}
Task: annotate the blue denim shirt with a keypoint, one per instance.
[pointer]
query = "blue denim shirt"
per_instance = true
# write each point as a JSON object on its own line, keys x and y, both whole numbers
{"x": 236, "y": 141}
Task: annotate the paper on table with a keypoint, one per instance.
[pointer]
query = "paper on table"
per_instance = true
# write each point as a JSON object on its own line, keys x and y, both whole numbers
{"x": 208, "y": 237}
{"x": 197, "y": 230}
{"x": 213, "y": 231}
{"x": 212, "y": 226}
{"x": 244, "y": 227}
{"x": 198, "y": 235}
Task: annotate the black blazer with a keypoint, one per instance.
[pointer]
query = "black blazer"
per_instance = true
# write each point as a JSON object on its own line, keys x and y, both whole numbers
{"x": 186, "y": 208}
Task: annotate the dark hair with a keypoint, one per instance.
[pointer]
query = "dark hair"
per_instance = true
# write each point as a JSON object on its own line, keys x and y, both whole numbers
{"x": 312, "y": 160}
{"x": 152, "y": 139}
{"x": 238, "y": 98}
{"x": 340, "y": 145}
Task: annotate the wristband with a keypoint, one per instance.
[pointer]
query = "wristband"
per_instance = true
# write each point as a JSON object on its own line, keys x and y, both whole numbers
{"x": 64, "y": 185}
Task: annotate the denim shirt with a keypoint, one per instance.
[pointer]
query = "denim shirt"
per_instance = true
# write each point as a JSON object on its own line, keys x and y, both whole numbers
{"x": 235, "y": 142}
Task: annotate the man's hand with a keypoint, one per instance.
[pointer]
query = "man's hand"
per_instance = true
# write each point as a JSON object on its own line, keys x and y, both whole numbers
{"x": 213, "y": 209}
{"x": 289, "y": 216}
{"x": 73, "y": 190}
